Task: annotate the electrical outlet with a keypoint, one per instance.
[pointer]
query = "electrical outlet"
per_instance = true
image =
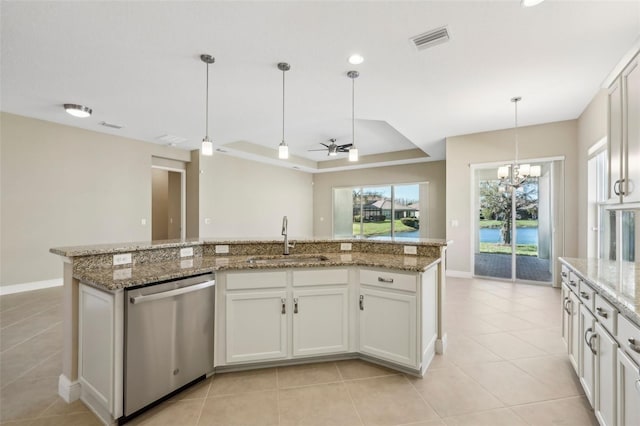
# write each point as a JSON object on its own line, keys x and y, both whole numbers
{"x": 207, "y": 221}
{"x": 122, "y": 274}
{"x": 186, "y": 252}
{"x": 121, "y": 259}
{"x": 345, "y": 246}
{"x": 410, "y": 250}
{"x": 222, "y": 249}
{"x": 186, "y": 263}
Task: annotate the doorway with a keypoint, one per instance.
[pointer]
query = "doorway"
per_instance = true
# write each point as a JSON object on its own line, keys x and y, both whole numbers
{"x": 167, "y": 203}
{"x": 514, "y": 227}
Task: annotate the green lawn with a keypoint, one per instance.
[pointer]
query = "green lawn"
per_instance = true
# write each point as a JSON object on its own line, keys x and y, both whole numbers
{"x": 525, "y": 223}
{"x": 380, "y": 228}
{"x": 521, "y": 249}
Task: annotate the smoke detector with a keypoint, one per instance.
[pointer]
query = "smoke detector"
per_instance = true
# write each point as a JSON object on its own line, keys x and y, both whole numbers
{"x": 430, "y": 38}
{"x": 111, "y": 125}
{"x": 172, "y": 140}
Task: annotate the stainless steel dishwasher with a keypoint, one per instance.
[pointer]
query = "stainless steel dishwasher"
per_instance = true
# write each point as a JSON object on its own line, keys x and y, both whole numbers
{"x": 168, "y": 338}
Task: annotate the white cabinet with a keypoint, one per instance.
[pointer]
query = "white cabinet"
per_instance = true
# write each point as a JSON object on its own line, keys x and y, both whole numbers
{"x": 320, "y": 321}
{"x": 605, "y": 348}
{"x": 388, "y": 325}
{"x": 574, "y": 329}
{"x": 624, "y": 134}
{"x": 256, "y": 325}
{"x": 566, "y": 316}
{"x": 628, "y": 394}
{"x": 100, "y": 351}
{"x": 587, "y": 371}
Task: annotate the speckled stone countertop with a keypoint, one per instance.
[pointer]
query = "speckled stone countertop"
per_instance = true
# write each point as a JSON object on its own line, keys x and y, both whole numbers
{"x": 115, "y": 278}
{"x": 620, "y": 287}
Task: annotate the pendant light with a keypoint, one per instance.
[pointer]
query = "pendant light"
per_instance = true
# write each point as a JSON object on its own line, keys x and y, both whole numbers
{"x": 79, "y": 111}
{"x": 283, "y": 148}
{"x": 207, "y": 145}
{"x": 515, "y": 174}
{"x": 353, "y": 151}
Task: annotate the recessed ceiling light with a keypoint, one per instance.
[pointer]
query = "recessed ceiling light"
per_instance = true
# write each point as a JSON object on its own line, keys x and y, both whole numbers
{"x": 356, "y": 59}
{"x": 530, "y": 3}
{"x": 80, "y": 111}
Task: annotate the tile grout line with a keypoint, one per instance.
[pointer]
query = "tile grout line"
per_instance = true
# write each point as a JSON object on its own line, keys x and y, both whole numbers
{"x": 422, "y": 398}
{"x": 31, "y": 337}
{"x": 4, "y": 385}
{"x": 353, "y": 403}
{"x": 48, "y": 308}
{"x": 278, "y": 395}
{"x": 204, "y": 401}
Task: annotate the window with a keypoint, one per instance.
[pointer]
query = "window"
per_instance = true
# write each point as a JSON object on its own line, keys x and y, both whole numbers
{"x": 597, "y": 194}
{"x": 381, "y": 211}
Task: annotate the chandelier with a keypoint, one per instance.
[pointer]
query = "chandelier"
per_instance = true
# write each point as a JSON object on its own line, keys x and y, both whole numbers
{"x": 515, "y": 174}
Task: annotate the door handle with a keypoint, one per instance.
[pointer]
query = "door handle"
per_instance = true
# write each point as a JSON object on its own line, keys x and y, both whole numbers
{"x": 588, "y": 340}
{"x": 567, "y": 301}
{"x": 634, "y": 346}
{"x": 385, "y": 280}
{"x": 616, "y": 187}
{"x": 295, "y": 305}
{"x": 171, "y": 293}
{"x": 584, "y": 295}
{"x": 602, "y": 312}
{"x": 361, "y": 302}
{"x": 572, "y": 283}
{"x": 284, "y": 306}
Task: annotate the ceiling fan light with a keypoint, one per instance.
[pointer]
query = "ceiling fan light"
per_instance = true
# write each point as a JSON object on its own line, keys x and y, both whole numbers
{"x": 353, "y": 154}
{"x": 207, "y": 147}
{"x": 283, "y": 151}
{"x": 356, "y": 59}
{"x": 79, "y": 111}
{"x": 530, "y": 3}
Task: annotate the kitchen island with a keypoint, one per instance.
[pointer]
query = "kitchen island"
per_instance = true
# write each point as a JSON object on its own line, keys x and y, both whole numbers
{"x": 329, "y": 299}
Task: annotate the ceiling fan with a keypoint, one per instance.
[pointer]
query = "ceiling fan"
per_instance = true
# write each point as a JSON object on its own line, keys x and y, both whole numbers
{"x": 333, "y": 149}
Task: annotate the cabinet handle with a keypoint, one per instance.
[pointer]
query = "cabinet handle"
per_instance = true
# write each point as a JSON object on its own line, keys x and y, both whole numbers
{"x": 361, "y": 302}
{"x": 589, "y": 339}
{"x": 295, "y": 305}
{"x": 572, "y": 283}
{"x": 637, "y": 385}
{"x": 564, "y": 274}
{"x": 584, "y": 295}
{"x": 634, "y": 347}
{"x": 567, "y": 301}
{"x": 616, "y": 187}
{"x": 602, "y": 312}
{"x": 621, "y": 188}
{"x": 284, "y": 306}
{"x": 385, "y": 280}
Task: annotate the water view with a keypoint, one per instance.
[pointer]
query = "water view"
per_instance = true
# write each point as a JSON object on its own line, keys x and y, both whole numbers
{"x": 523, "y": 235}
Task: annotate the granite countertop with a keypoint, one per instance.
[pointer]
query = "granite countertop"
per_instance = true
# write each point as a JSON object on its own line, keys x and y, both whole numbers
{"x": 90, "y": 250}
{"x": 616, "y": 283}
{"x": 115, "y": 278}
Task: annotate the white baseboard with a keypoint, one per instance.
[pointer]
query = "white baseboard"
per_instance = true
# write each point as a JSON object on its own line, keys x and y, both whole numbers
{"x": 36, "y": 285}
{"x": 441, "y": 345}
{"x": 68, "y": 390}
{"x": 458, "y": 274}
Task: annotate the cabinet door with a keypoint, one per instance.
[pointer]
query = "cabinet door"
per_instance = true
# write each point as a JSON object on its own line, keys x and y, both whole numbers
{"x": 320, "y": 321}
{"x": 628, "y": 391}
{"x": 587, "y": 371}
{"x": 631, "y": 126}
{"x": 566, "y": 316}
{"x": 574, "y": 327}
{"x": 256, "y": 326}
{"x": 615, "y": 140}
{"x": 605, "y": 403}
{"x": 388, "y": 325}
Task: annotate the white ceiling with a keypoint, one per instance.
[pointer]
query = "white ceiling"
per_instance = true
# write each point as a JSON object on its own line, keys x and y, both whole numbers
{"x": 137, "y": 64}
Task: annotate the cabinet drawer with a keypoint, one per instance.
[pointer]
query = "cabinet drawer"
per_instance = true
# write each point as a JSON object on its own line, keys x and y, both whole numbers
{"x": 385, "y": 279}
{"x": 629, "y": 338}
{"x": 587, "y": 295}
{"x": 259, "y": 279}
{"x": 573, "y": 282}
{"x": 606, "y": 314}
{"x": 320, "y": 277}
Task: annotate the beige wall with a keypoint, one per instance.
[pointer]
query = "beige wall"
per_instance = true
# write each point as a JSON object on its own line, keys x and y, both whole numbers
{"x": 193, "y": 195}
{"x": 432, "y": 172}
{"x": 546, "y": 140}
{"x": 67, "y": 186}
{"x": 246, "y": 199}
{"x": 174, "y": 205}
{"x": 159, "y": 204}
{"x": 592, "y": 127}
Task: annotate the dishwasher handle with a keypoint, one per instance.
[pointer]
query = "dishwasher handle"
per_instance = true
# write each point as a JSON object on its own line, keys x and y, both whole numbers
{"x": 165, "y": 294}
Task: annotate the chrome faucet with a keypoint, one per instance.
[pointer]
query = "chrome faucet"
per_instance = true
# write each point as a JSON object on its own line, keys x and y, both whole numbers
{"x": 285, "y": 225}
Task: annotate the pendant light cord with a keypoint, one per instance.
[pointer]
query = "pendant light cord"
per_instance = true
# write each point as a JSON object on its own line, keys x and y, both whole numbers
{"x": 516, "y": 122}
{"x": 207, "y": 106}
{"x": 283, "y": 71}
{"x": 353, "y": 112}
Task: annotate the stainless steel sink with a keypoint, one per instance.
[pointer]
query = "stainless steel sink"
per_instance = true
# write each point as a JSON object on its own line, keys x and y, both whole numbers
{"x": 266, "y": 260}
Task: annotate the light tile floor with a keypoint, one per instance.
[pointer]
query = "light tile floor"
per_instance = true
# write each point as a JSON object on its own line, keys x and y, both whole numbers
{"x": 505, "y": 365}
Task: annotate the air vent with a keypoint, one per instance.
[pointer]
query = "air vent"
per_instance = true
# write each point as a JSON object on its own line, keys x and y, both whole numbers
{"x": 111, "y": 125}
{"x": 172, "y": 140}
{"x": 431, "y": 38}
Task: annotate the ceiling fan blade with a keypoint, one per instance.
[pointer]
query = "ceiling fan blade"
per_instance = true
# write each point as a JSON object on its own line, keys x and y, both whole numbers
{"x": 316, "y": 149}
{"x": 324, "y": 144}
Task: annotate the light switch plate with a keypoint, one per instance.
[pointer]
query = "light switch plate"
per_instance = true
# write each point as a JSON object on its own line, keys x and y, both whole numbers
{"x": 121, "y": 259}
{"x": 222, "y": 249}
{"x": 410, "y": 250}
{"x": 186, "y": 252}
{"x": 122, "y": 274}
{"x": 345, "y": 246}
{"x": 186, "y": 263}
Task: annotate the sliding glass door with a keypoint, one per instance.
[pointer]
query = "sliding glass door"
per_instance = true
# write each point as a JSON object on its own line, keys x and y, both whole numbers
{"x": 514, "y": 226}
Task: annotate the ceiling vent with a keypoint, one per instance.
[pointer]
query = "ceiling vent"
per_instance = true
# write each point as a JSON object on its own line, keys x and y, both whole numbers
{"x": 171, "y": 139}
{"x": 110, "y": 125}
{"x": 431, "y": 38}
